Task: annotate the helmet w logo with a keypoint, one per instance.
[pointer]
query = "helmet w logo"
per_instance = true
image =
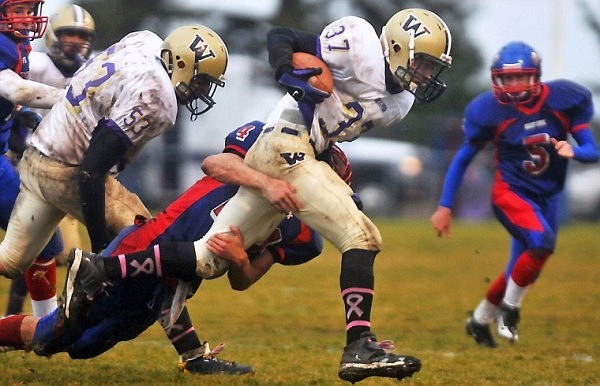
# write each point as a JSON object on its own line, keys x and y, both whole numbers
{"x": 201, "y": 49}
{"x": 412, "y": 23}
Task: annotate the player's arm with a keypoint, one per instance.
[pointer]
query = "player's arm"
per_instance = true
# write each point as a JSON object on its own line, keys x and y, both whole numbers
{"x": 586, "y": 151}
{"x": 230, "y": 168}
{"x": 442, "y": 217}
{"x": 108, "y": 144}
{"x": 282, "y": 42}
{"x": 28, "y": 93}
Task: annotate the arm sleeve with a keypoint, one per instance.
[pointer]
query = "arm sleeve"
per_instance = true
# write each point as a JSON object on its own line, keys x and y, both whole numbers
{"x": 107, "y": 146}
{"x": 282, "y": 42}
{"x": 456, "y": 171}
{"x": 28, "y": 93}
{"x": 586, "y": 151}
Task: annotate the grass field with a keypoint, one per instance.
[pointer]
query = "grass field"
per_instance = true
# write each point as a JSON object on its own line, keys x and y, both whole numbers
{"x": 290, "y": 325}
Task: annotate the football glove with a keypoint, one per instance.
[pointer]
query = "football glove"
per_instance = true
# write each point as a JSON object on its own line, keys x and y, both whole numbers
{"x": 25, "y": 117}
{"x": 295, "y": 81}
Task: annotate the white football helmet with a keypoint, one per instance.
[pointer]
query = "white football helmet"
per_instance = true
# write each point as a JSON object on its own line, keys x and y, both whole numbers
{"x": 67, "y": 52}
{"x": 416, "y": 44}
{"x": 195, "y": 58}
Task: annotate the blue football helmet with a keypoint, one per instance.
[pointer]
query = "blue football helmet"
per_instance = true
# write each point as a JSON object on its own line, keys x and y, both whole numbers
{"x": 514, "y": 59}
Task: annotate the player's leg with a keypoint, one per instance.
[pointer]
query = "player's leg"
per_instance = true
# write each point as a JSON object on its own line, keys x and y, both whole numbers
{"x": 195, "y": 357}
{"x": 70, "y": 231}
{"x": 8, "y": 195}
{"x": 17, "y": 331}
{"x": 32, "y": 225}
{"x": 478, "y": 324}
{"x": 122, "y": 206}
{"x": 16, "y": 297}
{"x": 328, "y": 208}
{"x": 534, "y": 223}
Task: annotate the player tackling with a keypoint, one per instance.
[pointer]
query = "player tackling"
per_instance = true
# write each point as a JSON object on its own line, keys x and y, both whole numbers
{"x": 376, "y": 79}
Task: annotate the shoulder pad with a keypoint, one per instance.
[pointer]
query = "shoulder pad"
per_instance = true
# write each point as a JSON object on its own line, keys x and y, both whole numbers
{"x": 564, "y": 94}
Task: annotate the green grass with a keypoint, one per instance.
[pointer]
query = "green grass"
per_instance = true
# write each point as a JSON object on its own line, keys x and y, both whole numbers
{"x": 290, "y": 325}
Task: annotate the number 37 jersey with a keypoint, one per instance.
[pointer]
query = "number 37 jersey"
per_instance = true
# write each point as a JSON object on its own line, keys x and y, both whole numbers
{"x": 125, "y": 83}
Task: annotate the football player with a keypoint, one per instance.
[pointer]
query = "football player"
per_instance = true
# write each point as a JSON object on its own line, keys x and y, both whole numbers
{"x": 115, "y": 103}
{"x": 376, "y": 79}
{"x": 530, "y": 124}
{"x": 20, "y": 22}
{"x": 68, "y": 38}
{"x": 129, "y": 307}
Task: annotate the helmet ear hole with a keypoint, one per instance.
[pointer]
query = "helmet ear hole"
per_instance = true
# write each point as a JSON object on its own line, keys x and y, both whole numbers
{"x": 396, "y": 47}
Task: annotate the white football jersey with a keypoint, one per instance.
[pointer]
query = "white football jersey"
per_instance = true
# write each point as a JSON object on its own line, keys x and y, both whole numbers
{"x": 352, "y": 51}
{"x": 125, "y": 83}
{"x": 42, "y": 69}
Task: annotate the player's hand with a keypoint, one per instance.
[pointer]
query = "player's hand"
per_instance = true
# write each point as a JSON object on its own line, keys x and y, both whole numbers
{"x": 295, "y": 81}
{"x": 229, "y": 246}
{"x": 441, "y": 220}
{"x": 28, "y": 118}
{"x": 282, "y": 195}
{"x": 563, "y": 148}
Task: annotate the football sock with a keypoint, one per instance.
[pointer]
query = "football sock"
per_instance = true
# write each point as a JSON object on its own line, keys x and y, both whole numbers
{"x": 357, "y": 284}
{"x": 485, "y": 312}
{"x": 184, "y": 338}
{"x": 10, "y": 331}
{"x": 41, "y": 282}
{"x": 526, "y": 270}
{"x": 177, "y": 259}
{"x": 528, "y": 267}
{"x": 496, "y": 291}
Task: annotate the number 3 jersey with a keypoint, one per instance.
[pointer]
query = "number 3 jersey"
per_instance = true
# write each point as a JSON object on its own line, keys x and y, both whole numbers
{"x": 525, "y": 157}
{"x": 125, "y": 83}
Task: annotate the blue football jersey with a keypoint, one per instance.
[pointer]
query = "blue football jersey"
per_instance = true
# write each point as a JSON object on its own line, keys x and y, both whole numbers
{"x": 525, "y": 157}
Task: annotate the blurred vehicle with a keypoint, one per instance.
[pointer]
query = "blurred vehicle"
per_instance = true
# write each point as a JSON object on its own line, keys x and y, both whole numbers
{"x": 583, "y": 191}
{"x": 391, "y": 176}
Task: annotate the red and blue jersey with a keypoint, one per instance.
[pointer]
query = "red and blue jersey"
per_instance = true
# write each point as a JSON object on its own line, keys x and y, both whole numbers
{"x": 524, "y": 156}
{"x": 13, "y": 56}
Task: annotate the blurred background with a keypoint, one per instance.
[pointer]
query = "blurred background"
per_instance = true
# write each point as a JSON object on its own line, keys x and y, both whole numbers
{"x": 397, "y": 171}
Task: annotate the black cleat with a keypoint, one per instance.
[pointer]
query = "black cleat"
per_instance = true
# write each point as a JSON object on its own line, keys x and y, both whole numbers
{"x": 506, "y": 322}
{"x": 208, "y": 363}
{"x": 85, "y": 280}
{"x": 481, "y": 333}
{"x": 366, "y": 357}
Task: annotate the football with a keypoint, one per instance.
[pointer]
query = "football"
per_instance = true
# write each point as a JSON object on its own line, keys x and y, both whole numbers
{"x": 324, "y": 81}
